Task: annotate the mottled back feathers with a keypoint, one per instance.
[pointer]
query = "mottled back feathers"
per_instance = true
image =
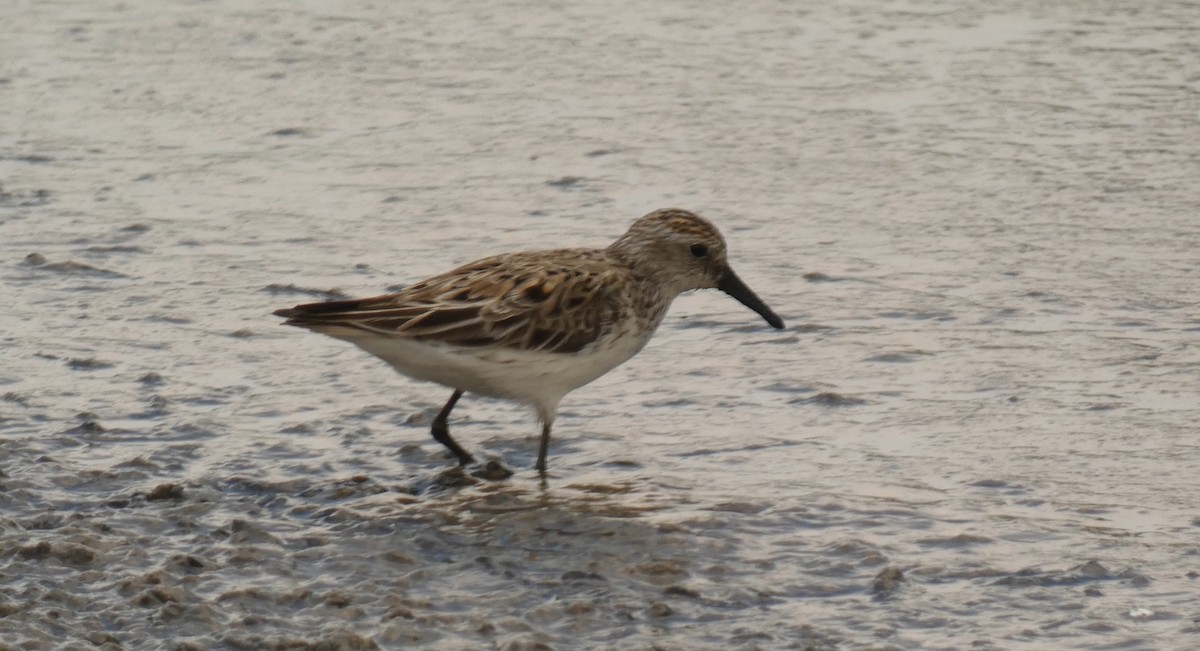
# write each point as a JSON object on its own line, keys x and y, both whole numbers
{"x": 555, "y": 301}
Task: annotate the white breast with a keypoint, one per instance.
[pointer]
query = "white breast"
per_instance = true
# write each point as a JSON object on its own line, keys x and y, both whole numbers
{"x": 536, "y": 378}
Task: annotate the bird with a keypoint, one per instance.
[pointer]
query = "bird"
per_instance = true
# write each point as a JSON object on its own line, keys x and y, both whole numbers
{"x": 532, "y": 326}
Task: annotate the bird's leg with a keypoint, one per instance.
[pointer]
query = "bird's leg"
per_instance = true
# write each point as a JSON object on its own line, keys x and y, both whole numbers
{"x": 441, "y": 431}
{"x": 543, "y": 447}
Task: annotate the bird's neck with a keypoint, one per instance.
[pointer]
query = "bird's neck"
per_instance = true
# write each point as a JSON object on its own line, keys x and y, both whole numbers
{"x": 647, "y": 265}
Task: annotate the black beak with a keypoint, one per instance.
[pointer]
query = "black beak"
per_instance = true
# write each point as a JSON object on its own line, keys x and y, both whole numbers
{"x": 732, "y": 285}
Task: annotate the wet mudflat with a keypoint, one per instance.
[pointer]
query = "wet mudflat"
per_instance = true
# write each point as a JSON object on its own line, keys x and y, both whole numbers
{"x": 979, "y": 430}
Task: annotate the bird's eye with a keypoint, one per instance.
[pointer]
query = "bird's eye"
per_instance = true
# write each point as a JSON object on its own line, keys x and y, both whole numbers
{"x": 699, "y": 250}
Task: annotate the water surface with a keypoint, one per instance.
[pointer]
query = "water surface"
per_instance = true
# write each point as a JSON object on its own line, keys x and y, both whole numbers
{"x": 978, "y": 221}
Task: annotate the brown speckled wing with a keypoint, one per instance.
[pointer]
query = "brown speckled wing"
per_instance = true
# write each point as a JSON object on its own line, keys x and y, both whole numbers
{"x": 555, "y": 301}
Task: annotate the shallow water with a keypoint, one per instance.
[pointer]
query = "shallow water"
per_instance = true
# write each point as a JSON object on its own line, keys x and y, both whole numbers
{"x": 979, "y": 222}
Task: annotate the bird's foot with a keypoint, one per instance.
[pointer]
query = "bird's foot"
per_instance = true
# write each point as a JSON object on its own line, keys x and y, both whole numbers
{"x": 449, "y": 478}
{"x": 491, "y": 471}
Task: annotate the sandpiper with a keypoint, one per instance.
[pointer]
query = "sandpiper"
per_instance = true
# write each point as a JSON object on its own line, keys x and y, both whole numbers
{"x": 533, "y": 326}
